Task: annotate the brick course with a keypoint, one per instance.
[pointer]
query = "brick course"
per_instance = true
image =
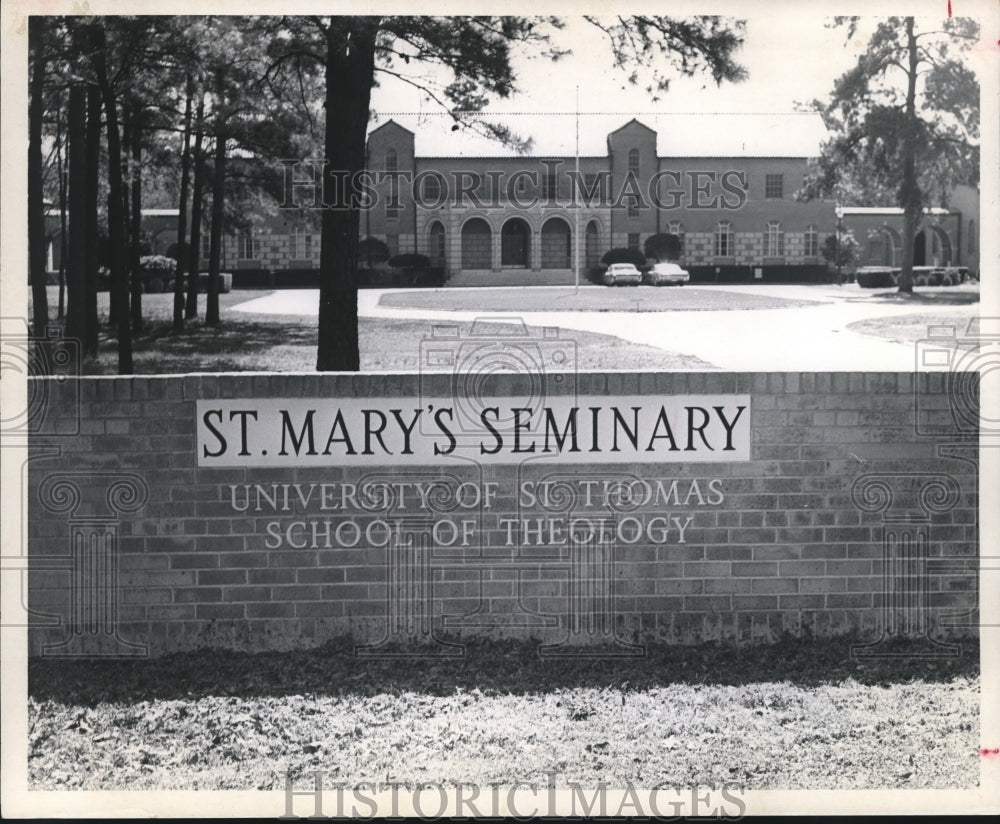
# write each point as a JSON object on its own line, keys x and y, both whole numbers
{"x": 788, "y": 549}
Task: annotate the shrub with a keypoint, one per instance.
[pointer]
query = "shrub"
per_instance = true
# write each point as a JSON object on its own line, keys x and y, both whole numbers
{"x": 372, "y": 249}
{"x": 623, "y": 254}
{"x": 409, "y": 261}
{"x": 157, "y": 272}
{"x": 877, "y": 279}
{"x": 663, "y": 246}
{"x": 158, "y": 264}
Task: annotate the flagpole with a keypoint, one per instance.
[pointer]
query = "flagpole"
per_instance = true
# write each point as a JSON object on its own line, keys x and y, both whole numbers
{"x": 576, "y": 211}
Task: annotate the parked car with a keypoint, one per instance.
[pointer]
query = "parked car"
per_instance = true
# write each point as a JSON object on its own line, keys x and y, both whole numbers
{"x": 666, "y": 273}
{"x": 622, "y": 273}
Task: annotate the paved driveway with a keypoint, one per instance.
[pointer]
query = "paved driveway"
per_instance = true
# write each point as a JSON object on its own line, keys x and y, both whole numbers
{"x": 799, "y": 338}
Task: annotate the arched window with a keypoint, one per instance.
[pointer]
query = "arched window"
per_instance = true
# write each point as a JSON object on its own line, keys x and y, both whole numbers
{"x": 435, "y": 246}
{"x": 724, "y": 239}
{"x": 811, "y": 242}
{"x": 391, "y": 160}
{"x": 633, "y": 161}
{"x": 774, "y": 244}
{"x": 675, "y": 227}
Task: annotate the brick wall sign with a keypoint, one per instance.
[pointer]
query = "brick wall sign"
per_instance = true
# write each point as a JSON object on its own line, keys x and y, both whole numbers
{"x": 275, "y": 511}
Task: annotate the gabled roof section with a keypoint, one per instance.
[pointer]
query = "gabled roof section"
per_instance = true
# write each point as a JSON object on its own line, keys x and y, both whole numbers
{"x": 679, "y": 134}
{"x": 631, "y": 124}
{"x": 389, "y": 124}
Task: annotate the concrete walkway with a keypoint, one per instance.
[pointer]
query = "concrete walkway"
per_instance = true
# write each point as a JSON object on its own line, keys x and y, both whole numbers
{"x": 800, "y": 338}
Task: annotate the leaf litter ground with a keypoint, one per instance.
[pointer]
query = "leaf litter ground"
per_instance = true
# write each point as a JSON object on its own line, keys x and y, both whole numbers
{"x": 793, "y": 715}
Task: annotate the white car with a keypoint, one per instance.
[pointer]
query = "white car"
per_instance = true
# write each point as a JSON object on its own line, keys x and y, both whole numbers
{"x": 622, "y": 273}
{"x": 666, "y": 273}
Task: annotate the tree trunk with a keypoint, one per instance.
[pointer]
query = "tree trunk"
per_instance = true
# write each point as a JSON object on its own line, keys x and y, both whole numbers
{"x": 909, "y": 193}
{"x": 76, "y": 245}
{"x": 182, "y": 210}
{"x": 36, "y": 200}
{"x": 116, "y": 221}
{"x": 350, "y": 71}
{"x": 61, "y": 159}
{"x": 135, "y": 236}
{"x": 92, "y": 252}
{"x": 215, "y": 250}
{"x": 194, "y": 260}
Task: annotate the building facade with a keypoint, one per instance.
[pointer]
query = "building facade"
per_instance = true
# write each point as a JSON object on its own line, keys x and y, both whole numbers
{"x": 543, "y": 220}
{"x": 482, "y": 216}
{"x": 945, "y": 236}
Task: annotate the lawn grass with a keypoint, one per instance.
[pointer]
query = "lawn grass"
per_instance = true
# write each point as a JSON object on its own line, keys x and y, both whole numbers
{"x": 591, "y": 299}
{"x": 796, "y": 714}
{"x": 912, "y": 328}
{"x": 259, "y": 342}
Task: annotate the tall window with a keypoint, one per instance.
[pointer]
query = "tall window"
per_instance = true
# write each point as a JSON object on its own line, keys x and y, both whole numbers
{"x": 206, "y": 243}
{"x": 391, "y": 165}
{"x": 675, "y": 227}
{"x": 811, "y": 242}
{"x": 392, "y": 244}
{"x": 432, "y": 189}
{"x": 774, "y": 186}
{"x": 724, "y": 239}
{"x": 550, "y": 185}
{"x": 302, "y": 245}
{"x": 246, "y": 246}
{"x": 633, "y": 240}
{"x": 774, "y": 243}
{"x": 633, "y": 208}
{"x": 633, "y": 161}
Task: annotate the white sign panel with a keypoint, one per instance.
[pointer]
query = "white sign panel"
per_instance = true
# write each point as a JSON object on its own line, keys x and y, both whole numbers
{"x": 412, "y": 431}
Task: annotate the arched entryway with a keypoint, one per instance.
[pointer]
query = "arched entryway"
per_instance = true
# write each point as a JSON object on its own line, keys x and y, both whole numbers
{"x": 593, "y": 244}
{"x": 940, "y": 247}
{"x": 515, "y": 244}
{"x": 557, "y": 247}
{"x": 920, "y": 249}
{"x": 477, "y": 244}
{"x": 435, "y": 244}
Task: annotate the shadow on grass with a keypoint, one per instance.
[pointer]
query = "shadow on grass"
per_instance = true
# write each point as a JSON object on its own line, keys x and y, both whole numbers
{"x": 945, "y": 297}
{"x": 236, "y": 345}
{"x": 493, "y": 666}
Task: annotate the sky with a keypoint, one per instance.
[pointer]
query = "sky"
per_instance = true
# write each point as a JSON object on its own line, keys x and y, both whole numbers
{"x": 792, "y": 58}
